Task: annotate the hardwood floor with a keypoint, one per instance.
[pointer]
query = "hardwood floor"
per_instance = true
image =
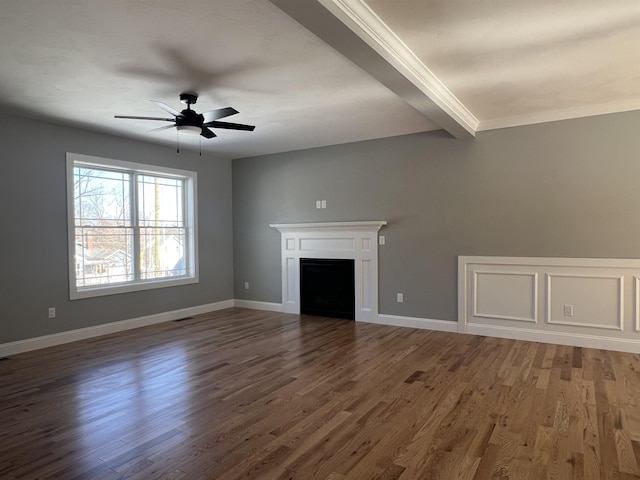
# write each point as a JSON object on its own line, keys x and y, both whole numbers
{"x": 243, "y": 394}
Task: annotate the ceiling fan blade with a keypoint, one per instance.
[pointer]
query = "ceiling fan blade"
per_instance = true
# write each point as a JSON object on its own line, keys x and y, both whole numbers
{"x": 167, "y": 108}
{"x": 212, "y": 115}
{"x": 161, "y": 128}
{"x": 145, "y": 118}
{"x": 207, "y": 133}
{"x": 230, "y": 126}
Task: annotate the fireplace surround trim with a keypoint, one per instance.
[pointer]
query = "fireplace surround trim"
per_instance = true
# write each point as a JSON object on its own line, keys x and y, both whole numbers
{"x": 351, "y": 240}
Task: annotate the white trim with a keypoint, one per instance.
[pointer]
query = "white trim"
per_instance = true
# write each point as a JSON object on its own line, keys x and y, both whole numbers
{"x": 117, "y": 288}
{"x": 255, "y": 305}
{"x": 343, "y": 240}
{"x": 550, "y": 261}
{"x": 329, "y": 226}
{"x": 529, "y": 335}
{"x": 558, "y": 338}
{"x": 365, "y": 23}
{"x": 463, "y": 288}
{"x": 415, "y": 322}
{"x": 636, "y": 303}
{"x": 21, "y": 346}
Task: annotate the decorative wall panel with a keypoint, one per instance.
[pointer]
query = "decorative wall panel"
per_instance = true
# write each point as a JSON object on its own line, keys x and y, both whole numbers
{"x": 505, "y": 295}
{"x": 576, "y": 301}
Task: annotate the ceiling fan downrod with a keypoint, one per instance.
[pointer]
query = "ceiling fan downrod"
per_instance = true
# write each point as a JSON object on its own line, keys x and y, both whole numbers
{"x": 189, "y": 98}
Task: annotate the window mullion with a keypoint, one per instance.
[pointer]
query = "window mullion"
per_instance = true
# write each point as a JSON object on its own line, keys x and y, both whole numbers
{"x": 136, "y": 225}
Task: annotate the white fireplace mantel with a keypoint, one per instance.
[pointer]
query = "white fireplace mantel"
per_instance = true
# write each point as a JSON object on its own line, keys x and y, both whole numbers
{"x": 351, "y": 240}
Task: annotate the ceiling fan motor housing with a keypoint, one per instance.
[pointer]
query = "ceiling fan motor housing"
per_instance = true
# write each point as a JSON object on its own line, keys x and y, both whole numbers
{"x": 189, "y": 117}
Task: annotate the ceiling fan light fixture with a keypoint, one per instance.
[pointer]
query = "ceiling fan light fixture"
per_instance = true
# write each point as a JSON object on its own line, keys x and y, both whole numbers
{"x": 189, "y": 129}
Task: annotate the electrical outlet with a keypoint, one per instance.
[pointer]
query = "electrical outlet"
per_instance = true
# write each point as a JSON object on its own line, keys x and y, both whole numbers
{"x": 568, "y": 310}
{"x": 246, "y": 285}
{"x": 52, "y": 312}
{"x": 318, "y": 204}
{"x": 324, "y": 204}
{"x": 400, "y": 298}
{"x": 381, "y": 240}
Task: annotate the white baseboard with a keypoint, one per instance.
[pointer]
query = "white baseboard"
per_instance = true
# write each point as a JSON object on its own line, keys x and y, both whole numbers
{"x": 381, "y": 319}
{"x": 529, "y": 335}
{"x": 415, "y": 322}
{"x": 52, "y": 340}
{"x": 558, "y": 338}
{"x": 254, "y": 305}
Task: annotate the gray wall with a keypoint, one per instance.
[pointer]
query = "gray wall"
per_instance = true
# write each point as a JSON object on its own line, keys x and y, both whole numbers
{"x": 33, "y": 219}
{"x": 562, "y": 189}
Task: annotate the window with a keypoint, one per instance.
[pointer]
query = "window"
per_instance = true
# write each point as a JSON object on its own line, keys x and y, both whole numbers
{"x": 131, "y": 226}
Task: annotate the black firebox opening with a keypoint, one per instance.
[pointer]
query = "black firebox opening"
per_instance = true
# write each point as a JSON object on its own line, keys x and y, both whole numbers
{"x": 327, "y": 287}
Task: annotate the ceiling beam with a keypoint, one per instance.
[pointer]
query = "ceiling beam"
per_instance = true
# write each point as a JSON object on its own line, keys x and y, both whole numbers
{"x": 360, "y": 36}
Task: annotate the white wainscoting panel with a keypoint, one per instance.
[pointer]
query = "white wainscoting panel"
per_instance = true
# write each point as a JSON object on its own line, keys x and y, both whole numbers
{"x": 596, "y": 300}
{"x": 576, "y": 301}
{"x": 506, "y": 295}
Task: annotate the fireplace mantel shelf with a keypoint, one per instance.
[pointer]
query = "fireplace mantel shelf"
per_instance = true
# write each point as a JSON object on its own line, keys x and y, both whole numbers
{"x": 374, "y": 225}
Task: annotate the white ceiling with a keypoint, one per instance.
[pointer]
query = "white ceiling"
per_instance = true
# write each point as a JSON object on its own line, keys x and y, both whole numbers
{"x": 519, "y": 62}
{"x": 369, "y": 69}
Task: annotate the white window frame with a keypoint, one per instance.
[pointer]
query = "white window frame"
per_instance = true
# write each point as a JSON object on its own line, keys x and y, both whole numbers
{"x": 191, "y": 220}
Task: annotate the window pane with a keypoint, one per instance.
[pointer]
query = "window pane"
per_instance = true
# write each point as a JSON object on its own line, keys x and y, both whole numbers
{"x": 160, "y": 201}
{"x": 162, "y": 252}
{"x": 131, "y": 226}
{"x": 101, "y": 197}
{"x": 103, "y": 255}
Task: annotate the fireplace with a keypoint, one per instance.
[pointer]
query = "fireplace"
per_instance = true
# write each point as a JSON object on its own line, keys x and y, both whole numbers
{"x": 356, "y": 241}
{"x": 327, "y": 287}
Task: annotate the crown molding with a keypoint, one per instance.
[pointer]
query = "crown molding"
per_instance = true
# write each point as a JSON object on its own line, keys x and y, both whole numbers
{"x": 558, "y": 115}
{"x": 365, "y": 23}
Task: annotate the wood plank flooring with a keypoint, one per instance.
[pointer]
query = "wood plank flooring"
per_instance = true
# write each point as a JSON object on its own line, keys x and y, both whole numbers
{"x": 244, "y": 394}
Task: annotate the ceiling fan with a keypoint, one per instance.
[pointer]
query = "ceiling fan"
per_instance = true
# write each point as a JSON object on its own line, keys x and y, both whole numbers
{"x": 189, "y": 121}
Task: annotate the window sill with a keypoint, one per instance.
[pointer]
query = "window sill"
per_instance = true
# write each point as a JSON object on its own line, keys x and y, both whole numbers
{"x": 103, "y": 290}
